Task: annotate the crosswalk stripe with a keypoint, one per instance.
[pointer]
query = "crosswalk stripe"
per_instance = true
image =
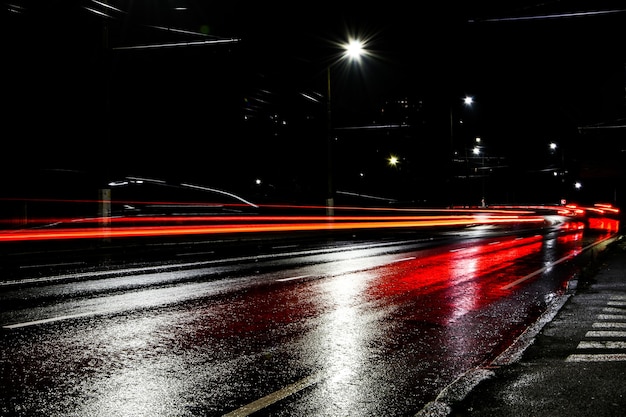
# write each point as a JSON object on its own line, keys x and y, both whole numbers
{"x": 602, "y": 345}
{"x": 578, "y": 357}
{"x": 614, "y": 310}
{"x": 617, "y": 303}
{"x": 609, "y": 324}
{"x": 612, "y": 317}
{"x": 605, "y": 333}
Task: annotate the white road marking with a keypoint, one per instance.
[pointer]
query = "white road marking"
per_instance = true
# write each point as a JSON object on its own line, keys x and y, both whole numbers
{"x": 276, "y": 396}
{"x": 579, "y": 357}
{"x": 617, "y": 303}
{"x": 293, "y": 278}
{"x": 611, "y": 316}
{"x": 602, "y": 345}
{"x": 605, "y": 333}
{"x": 410, "y": 258}
{"x": 51, "y": 319}
{"x": 609, "y": 324}
{"x": 613, "y": 310}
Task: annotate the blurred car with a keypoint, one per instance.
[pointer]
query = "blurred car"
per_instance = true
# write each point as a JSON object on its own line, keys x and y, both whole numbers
{"x": 152, "y": 197}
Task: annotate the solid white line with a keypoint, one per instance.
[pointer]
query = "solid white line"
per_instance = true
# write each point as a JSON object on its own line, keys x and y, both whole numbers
{"x": 274, "y": 397}
{"x": 602, "y": 345}
{"x": 605, "y": 333}
{"x": 578, "y": 357}
{"x": 292, "y": 278}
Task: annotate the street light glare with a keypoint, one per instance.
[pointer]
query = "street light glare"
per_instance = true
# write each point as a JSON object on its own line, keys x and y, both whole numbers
{"x": 354, "y": 49}
{"x": 468, "y": 100}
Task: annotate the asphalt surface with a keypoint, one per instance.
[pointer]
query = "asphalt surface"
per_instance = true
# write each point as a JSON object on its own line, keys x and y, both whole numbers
{"x": 572, "y": 362}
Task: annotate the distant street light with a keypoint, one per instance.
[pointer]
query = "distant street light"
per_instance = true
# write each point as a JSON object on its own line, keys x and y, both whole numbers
{"x": 393, "y": 160}
{"x": 353, "y": 51}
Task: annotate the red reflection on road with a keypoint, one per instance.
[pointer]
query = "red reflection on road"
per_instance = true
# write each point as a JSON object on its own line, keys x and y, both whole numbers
{"x": 453, "y": 283}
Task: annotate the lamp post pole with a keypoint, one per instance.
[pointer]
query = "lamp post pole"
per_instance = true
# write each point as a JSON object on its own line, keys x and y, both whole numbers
{"x": 330, "y": 192}
{"x": 352, "y": 51}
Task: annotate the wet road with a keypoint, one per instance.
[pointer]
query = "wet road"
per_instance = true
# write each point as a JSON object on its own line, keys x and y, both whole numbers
{"x": 365, "y": 330}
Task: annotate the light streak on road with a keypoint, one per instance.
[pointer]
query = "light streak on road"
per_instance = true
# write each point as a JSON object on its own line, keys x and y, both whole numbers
{"x": 314, "y": 223}
{"x": 218, "y": 222}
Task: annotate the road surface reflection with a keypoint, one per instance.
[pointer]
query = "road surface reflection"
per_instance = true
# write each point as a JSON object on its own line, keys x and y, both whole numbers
{"x": 374, "y": 335}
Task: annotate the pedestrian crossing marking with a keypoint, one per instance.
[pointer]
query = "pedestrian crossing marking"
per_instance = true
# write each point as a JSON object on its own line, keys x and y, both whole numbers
{"x": 602, "y": 345}
{"x": 609, "y": 324}
{"x": 613, "y": 310}
{"x": 612, "y": 319}
{"x": 605, "y": 333}
{"x": 617, "y": 303}
{"x": 578, "y": 357}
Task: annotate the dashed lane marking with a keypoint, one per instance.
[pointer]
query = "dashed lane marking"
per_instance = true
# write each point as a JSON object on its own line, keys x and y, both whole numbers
{"x": 276, "y": 396}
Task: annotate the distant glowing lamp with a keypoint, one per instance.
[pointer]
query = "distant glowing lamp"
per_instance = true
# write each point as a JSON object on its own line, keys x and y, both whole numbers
{"x": 393, "y": 160}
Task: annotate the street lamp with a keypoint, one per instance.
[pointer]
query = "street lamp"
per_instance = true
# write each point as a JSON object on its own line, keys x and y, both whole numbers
{"x": 352, "y": 51}
{"x": 467, "y": 102}
{"x": 478, "y": 151}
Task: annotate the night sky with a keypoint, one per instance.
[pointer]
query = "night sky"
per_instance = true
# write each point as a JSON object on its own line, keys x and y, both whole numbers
{"x": 82, "y": 98}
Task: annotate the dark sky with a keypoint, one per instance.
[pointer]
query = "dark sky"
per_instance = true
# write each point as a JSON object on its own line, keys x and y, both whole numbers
{"x": 538, "y": 71}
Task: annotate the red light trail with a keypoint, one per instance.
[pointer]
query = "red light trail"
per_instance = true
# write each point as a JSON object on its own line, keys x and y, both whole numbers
{"x": 176, "y": 225}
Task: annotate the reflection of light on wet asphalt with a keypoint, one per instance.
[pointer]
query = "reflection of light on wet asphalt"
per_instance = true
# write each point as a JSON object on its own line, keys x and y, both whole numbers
{"x": 183, "y": 292}
{"x": 570, "y": 255}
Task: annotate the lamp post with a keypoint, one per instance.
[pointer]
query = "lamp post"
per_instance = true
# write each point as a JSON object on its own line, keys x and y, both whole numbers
{"x": 352, "y": 51}
{"x": 479, "y": 152}
{"x": 467, "y": 101}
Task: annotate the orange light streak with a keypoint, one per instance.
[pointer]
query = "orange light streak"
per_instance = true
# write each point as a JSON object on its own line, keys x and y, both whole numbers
{"x": 144, "y": 231}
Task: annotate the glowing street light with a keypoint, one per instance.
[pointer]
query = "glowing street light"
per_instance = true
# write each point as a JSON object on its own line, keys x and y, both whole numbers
{"x": 354, "y": 50}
